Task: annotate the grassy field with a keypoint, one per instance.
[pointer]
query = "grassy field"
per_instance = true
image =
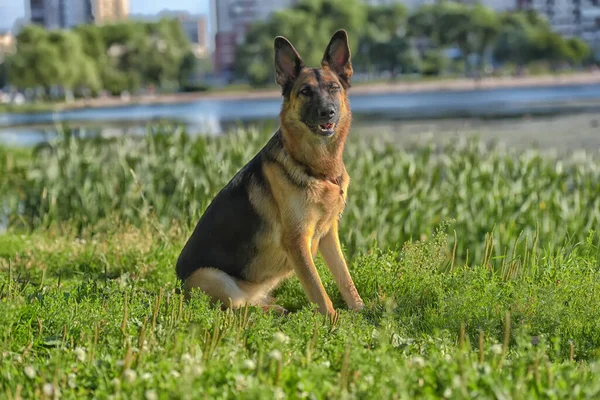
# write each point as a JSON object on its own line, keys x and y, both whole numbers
{"x": 480, "y": 270}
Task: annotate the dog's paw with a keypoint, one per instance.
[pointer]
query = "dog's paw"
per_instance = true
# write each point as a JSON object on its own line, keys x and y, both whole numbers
{"x": 358, "y": 305}
{"x": 275, "y": 309}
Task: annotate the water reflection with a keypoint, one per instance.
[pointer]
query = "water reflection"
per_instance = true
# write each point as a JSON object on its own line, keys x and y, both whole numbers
{"x": 486, "y": 109}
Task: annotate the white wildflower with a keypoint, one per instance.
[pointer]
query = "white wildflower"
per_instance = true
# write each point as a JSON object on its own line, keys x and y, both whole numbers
{"x": 447, "y": 393}
{"x": 130, "y": 375}
{"x": 186, "y": 358}
{"x": 497, "y": 348}
{"x": 326, "y": 364}
{"x": 240, "y": 382}
{"x": 418, "y": 362}
{"x": 397, "y": 341}
{"x": 29, "y": 371}
{"x": 175, "y": 374}
{"x": 275, "y": 355}
{"x": 151, "y": 395}
{"x": 281, "y": 337}
{"x": 249, "y": 364}
{"x": 197, "y": 370}
{"x": 279, "y": 394}
{"x": 116, "y": 382}
{"x": 71, "y": 380}
{"x": 80, "y": 354}
{"x": 456, "y": 383}
{"x": 48, "y": 389}
{"x": 146, "y": 376}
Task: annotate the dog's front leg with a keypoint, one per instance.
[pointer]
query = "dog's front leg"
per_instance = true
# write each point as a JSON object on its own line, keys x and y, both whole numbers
{"x": 298, "y": 250}
{"x": 334, "y": 258}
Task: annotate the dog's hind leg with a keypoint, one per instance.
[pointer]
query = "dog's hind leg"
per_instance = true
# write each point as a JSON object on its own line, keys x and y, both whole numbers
{"x": 231, "y": 292}
{"x": 218, "y": 285}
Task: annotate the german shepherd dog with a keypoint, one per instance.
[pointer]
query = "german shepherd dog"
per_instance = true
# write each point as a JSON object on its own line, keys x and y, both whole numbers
{"x": 283, "y": 206}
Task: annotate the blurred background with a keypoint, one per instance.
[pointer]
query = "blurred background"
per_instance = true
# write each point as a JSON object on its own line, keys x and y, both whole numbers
{"x": 522, "y": 72}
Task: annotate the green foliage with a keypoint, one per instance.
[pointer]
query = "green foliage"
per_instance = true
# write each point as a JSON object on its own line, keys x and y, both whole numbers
{"x": 89, "y": 302}
{"x": 578, "y": 50}
{"x": 434, "y": 63}
{"x": 526, "y": 38}
{"x": 394, "y": 195}
{"x": 388, "y": 38}
{"x": 36, "y": 62}
{"x": 99, "y": 317}
{"x": 116, "y": 57}
{"x": 319, "y": 17}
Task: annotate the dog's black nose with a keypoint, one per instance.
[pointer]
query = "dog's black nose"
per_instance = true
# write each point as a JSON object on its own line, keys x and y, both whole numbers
{"x": 327, "y": 112}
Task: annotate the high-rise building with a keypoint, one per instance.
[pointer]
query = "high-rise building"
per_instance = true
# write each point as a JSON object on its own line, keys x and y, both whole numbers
{"x": 195, "y": 29}
{"x": 497, "y": 5}
{"x": 232, "y": 19}
{"x": 110, "y": 10}
{"x": 410, "y": 4}
{"x": 46, "y": 13}
{"x": 569, "y": 17}
{"x": 54, "y": 14}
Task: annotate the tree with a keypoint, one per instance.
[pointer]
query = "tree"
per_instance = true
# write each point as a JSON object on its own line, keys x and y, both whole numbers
{"x": 71, "y": 57}
{"x": 385, "y": 43}
{"x": 472, "y": 30}
{"x": 548, "y": 46}
{"x": 187, "y": 68}
{"x": 579, "y": 51}
{"x": 486, "y": 24}
{"x": 36, "y": 62}
{"x": 423, "y": 23}
{"x": 319, "y": 17}
{"x": 88, "y": 80}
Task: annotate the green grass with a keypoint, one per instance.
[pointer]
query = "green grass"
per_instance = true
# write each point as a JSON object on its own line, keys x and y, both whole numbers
{"x": 480, "y": 270}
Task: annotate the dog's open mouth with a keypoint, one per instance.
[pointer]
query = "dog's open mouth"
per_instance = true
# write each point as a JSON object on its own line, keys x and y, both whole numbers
{"x": 327, "y": 128}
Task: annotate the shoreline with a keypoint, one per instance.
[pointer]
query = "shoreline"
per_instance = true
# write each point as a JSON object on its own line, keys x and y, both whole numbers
{"x": 442, "y": 85}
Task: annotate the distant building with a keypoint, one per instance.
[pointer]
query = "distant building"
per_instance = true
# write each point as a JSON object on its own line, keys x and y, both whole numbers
{"x": 232, "y": 19}
{"x": 194, "y": 26}
{"x": 110, "y": 10}
{"x": 569, "y": 17}
{"x": 497, "y": 5}
{"x": 196, "y": 30}
{"x": 410, "y": 4}
{"x": 54, "y": 14}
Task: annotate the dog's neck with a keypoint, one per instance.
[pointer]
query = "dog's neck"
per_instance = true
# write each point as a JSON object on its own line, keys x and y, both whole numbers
{"x": 322, "y": 158}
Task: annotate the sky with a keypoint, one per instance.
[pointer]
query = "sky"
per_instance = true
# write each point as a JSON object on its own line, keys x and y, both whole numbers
{"x": 10, "y": 10}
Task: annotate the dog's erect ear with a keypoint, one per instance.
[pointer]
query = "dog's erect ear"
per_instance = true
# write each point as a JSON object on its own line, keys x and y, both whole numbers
{"x": 288, "y": 63}
{"x": 337, "y": 56}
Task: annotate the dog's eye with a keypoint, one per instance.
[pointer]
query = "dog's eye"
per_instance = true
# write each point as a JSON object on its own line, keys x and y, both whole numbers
{"x": 334, "y": 88}
{"x": 306, "y": 91}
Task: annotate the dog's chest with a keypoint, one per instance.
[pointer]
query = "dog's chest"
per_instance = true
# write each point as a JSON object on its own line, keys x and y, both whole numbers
{"x": 326, "y": 202}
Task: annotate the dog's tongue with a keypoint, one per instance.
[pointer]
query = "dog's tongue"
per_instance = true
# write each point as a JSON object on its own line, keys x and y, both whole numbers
{"x": 326, "y": 126}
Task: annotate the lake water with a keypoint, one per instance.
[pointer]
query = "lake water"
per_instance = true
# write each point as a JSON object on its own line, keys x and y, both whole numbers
{"x": 565, "y": 114}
